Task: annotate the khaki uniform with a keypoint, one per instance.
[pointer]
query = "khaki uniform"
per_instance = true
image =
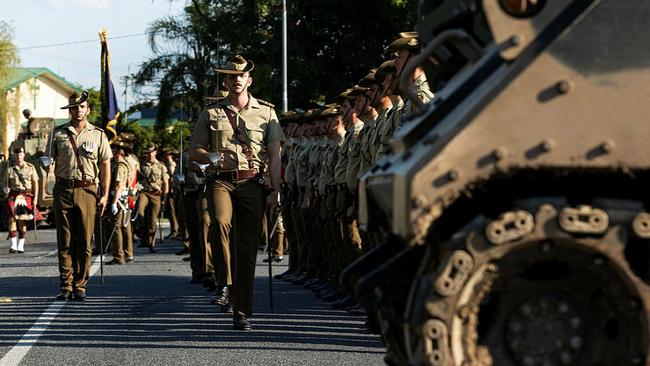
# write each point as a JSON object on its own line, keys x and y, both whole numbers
{"x": 170, "y": 209}
{"x": 193, "y": 199}
{"x": 424, "y": 94}
{"x": 75, "y": 199}
{"x": 290, "y": 199}
{"x": 230, "y": 198}
{"x": 122, "y": 241}
{"x": 387, "y": 130}
{"x": 149, "y": 201}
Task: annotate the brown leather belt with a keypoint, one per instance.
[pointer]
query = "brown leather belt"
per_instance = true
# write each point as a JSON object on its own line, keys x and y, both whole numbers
{"x": 236, "y": 175}
{"x": 74, "y": 183}
{"x": 154, "y": 192}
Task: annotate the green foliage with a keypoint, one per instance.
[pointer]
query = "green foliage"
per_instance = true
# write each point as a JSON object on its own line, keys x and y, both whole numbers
{"x": 95, "y": 116}
{"x": 332, "y": 44}
{"x": 165, "y": 137}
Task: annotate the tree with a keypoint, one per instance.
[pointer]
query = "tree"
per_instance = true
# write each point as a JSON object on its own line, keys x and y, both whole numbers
{"x": 8, "y": 61}
{"x": 332, "y": 44}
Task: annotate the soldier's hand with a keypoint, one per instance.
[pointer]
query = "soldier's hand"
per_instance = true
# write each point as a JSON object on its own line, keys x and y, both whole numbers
{"x": 102, "y": 205}
{"x": 272, "y": 201}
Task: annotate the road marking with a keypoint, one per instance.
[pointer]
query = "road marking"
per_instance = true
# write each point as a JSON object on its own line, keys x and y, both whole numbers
{"x": 48, "y": 254}
{"x": 27, "y": 341}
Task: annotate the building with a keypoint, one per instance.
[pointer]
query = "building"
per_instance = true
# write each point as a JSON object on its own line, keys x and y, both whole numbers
{"x": 38, "y": 89}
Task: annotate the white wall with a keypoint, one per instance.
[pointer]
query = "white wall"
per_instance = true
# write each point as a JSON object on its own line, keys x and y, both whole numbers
{"x": 48, "y": 99}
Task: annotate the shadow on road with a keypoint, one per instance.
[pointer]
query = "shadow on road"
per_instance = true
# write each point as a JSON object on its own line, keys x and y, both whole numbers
{"x": 156, "y": 311}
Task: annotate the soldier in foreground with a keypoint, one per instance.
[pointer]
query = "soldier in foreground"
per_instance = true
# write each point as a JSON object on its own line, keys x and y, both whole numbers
{"x": 80, "y": 150}
{"x": 235, "y": 137}
{"x": 21, "y": 181}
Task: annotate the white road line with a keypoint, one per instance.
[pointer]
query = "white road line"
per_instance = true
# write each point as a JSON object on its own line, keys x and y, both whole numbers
{"x": 27, "y": 341}
{"x": 48, "y": 254}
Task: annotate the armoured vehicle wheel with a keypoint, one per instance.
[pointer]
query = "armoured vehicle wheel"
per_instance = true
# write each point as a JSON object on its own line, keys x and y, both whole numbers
{"x": 543, "y": 285}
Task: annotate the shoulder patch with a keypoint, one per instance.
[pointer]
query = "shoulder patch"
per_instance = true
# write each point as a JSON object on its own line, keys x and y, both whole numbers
{"x": 265, "y": 103}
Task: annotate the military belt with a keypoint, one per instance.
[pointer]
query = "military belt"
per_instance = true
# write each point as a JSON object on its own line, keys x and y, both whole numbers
{"x": 235, "y": 175}
{"x": 154, "y": 192}
{"x": 74, "y": 183}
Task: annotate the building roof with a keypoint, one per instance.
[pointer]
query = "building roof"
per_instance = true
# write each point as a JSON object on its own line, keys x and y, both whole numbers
{"x": 146, "y": 117}
{"x": 23, "y": 74}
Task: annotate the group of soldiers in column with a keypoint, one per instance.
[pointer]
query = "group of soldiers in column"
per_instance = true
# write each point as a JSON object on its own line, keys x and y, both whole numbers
{"x": 326, "y": 152}
{"x": 241, "y": 161}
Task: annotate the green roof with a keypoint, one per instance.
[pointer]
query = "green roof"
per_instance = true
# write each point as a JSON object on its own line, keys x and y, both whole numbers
{"x": 22, "y": 74}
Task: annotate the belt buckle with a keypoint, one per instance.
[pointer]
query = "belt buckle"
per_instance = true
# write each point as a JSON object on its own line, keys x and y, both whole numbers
{"x": 236, "y": 175}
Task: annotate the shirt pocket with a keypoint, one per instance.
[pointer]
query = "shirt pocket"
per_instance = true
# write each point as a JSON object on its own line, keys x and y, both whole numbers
{"x": 255, "y": 133}
{"x": 223, "y": 129}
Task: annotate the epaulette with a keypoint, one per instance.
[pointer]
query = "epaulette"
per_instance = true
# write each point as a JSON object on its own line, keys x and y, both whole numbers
{"x": 98, "y": 128}
{"x": 214, "y": 103}
{"x": 264, "y": 102}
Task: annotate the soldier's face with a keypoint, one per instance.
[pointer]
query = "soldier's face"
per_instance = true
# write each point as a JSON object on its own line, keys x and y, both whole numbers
{"x": 151, "y": 155}
{"x": 401, "y": 59}
{"x": 239, "y": 83}
{"x": 387, "y": 84}
{"x": 80, "y": 112}
{"x": 20, "y": 157}
{"x": 373, "y": 95}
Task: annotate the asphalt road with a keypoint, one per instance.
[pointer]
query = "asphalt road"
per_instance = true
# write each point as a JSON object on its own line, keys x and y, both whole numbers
{"x": 146, "y": 313}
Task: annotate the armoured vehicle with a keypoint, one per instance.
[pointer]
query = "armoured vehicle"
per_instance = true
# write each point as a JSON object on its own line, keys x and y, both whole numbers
{"x": 34, "y": 138}
{"x": 516, "y": 200}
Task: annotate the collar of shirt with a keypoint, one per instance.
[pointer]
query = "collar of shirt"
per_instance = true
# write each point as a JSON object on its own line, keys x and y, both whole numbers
{"x": 252, "y": 104}
{"x": 71, "y": 127}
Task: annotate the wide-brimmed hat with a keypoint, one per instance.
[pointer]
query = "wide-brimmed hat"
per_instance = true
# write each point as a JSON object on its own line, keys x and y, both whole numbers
{"x": 237, "y": 65}
{"x": 76, "y": 99}
{"x": 149, "y": 148}
{"x": 169, "y": 151}
{"x": 369, "y": 79}
{"x": 407, "y": 41}
{"x": 126, "y": 146}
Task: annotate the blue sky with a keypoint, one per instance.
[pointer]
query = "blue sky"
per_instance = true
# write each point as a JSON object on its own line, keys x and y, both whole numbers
{"x": 45, "y": 22}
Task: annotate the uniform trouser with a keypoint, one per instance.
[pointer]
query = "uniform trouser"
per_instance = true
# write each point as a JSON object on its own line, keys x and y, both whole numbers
{"x": 191, "y": 214}
{"x": 180, "y": 215}
{"x": 241, "y": 202}
{"x": 205, "y": 234}
{"x": 289, "y": 225}
{"x": 170, "y": 211}
{"x": 276, "y": 238}
{"x": 122, "y": 241}
{"x": 350, "y": 233}
{"x": 74, "y": 211}
{"x": 149, "y": 209}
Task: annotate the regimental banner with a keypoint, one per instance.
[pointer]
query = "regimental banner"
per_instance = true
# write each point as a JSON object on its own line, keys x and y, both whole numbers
{"x": 110, "y": 110}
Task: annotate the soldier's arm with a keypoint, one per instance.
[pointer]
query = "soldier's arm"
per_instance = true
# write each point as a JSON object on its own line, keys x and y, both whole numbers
{"x": 201, "y": 140}
{"x": 35, "y": 185}
{"x": 165, "y": 187}
{"x": 104, "y": 180}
